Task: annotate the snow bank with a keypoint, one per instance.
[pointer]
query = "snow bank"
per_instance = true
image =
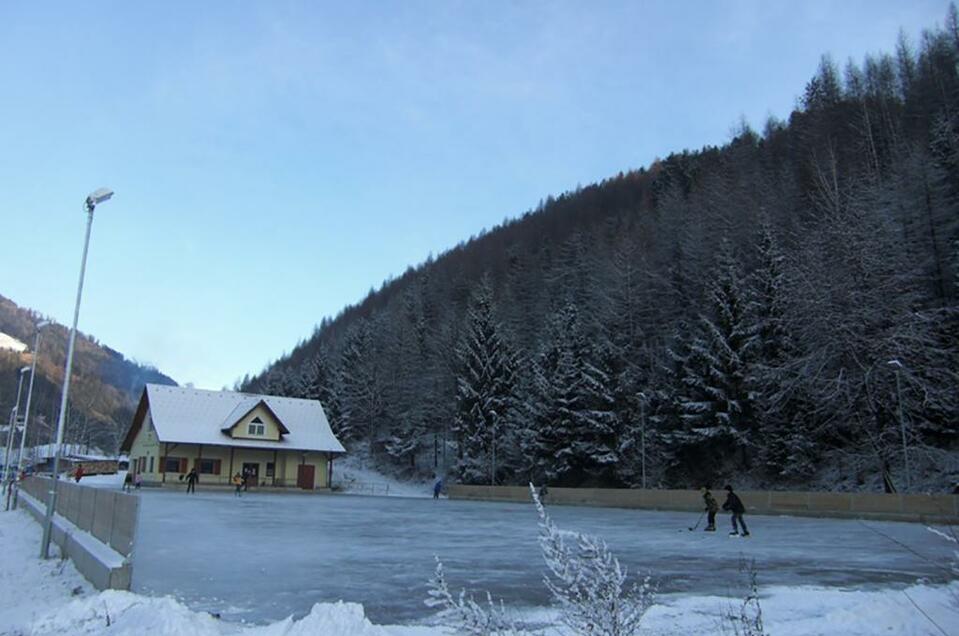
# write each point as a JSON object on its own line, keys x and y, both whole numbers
{"x": 126, "y": 614}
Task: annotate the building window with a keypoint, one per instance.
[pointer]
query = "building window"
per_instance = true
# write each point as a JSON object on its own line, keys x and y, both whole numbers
{"x": 256, "y": 427}
{"x": 209, "y": 466}
{"x": 172, "y": 464}
{"x": 270, "y": 469}
{"x": 151, "y": 463}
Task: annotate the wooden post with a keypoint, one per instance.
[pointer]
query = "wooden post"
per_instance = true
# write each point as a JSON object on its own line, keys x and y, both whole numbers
{"x": 231, "y": 465}
{"x": 166, "y": 451}
{"x": 274, "y": 467}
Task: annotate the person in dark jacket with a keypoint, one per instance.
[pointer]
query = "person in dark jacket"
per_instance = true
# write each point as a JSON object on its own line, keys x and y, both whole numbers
{"x": 735, "y": 505}
{"x": 437, "y": 488}
{"x": 712, "y": 507}
{"x": 191, "y": 479}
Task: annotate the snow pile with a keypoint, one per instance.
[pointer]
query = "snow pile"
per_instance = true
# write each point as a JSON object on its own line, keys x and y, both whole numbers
{"x": 127, "y": 614}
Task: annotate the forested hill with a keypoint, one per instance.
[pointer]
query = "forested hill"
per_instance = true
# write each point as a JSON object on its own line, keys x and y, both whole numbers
{"x": 776, "y": 311}
{"x": 103, "y": 391}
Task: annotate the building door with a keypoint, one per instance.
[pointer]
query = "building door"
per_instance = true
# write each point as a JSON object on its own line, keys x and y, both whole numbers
{"x": 305, "y": 476}
{"x": 251, "y": 470}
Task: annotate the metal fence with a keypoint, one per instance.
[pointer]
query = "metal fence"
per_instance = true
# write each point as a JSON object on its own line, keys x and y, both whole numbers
{"x": 109, "y": 516}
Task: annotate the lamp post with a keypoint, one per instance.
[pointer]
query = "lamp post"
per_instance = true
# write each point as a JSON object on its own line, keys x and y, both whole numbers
{"x": 642, "y": 420}
{"x": 902, "y": 422}
{"x": 95, "y": 198}
{"x": 26, "y": 410}
{"x": 12, "y": 429}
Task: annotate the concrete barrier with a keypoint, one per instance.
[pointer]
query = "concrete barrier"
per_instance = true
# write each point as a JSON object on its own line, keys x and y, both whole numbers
{"x": 940, "y": 509}
{"x": 95, "y": 528}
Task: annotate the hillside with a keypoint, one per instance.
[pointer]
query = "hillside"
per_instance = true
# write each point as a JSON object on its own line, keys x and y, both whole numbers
{"x": 779, "y": 311}
{"x": 103, "y": 391}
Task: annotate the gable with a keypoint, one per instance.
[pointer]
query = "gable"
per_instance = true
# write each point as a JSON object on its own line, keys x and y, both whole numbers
{"x": 195, "y": 416}
{"x": 260, "y": 422}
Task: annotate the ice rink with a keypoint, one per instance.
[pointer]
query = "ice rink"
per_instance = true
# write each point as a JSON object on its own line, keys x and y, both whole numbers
{"x": 266, "y": 556}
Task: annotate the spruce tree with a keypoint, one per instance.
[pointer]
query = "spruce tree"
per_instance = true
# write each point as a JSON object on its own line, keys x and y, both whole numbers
{"x": 485, "y": 399}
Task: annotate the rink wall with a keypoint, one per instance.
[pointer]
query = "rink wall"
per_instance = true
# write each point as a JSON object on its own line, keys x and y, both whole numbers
{"x": 915, "y": 508}
{"x": 95, "y": 528}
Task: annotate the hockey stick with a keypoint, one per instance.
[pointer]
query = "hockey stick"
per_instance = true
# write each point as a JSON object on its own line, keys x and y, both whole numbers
{"x": 698, "y": 521}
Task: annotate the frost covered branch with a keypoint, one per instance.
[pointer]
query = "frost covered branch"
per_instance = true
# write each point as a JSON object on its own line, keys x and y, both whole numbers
{"x": 747, "y": 620}
{"x": 465, "y": 614}
{"x": 588, "y": 582}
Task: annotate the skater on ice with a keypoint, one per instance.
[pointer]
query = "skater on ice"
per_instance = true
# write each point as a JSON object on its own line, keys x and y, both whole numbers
{"x": 735, "y": 505}
{"x": 191, "y": 479}
{"x": 712, "y": 507}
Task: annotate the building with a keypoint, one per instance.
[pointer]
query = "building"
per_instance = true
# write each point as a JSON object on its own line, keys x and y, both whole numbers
{"x": 278, "y": 441}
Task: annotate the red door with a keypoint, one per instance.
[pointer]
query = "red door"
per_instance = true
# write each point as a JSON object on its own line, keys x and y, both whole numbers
{"x": 305, "y": 476}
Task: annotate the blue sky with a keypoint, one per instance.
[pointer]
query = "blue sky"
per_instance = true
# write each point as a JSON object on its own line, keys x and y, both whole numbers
{"x": 272, "y": 161}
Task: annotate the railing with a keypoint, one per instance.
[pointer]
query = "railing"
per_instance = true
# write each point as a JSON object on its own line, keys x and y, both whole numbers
{"x": 855, "y": 505}
{"x": 109, "y": 516}
{"x": 354, "y": 486}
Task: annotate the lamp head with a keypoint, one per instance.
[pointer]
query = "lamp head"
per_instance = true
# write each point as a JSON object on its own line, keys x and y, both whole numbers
{"x": 98, "y": 196}
{"x": 895, "y": 363}
{"x": 24, "y": 370}
{"x": 42, "y": 324}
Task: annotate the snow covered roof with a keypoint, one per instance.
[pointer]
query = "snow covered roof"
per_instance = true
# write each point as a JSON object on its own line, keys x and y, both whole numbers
{"x": 194, "y": 416}
{"x": 9, "y": 342}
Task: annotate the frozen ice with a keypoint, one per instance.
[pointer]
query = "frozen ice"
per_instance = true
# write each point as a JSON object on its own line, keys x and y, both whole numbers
{"x": 262, "y": 557}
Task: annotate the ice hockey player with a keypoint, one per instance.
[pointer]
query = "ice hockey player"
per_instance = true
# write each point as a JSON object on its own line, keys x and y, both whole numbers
{"x": 712, "y": 507}
{"x": 735, "y": 505}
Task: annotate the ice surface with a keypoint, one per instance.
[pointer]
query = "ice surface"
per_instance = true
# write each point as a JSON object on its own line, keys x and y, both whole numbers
{"x": 49, "y": 598}
{"x": 263, "y": 557}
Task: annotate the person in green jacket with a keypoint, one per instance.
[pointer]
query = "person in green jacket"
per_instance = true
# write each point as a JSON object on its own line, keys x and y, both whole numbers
{"x": 712, "y": 507}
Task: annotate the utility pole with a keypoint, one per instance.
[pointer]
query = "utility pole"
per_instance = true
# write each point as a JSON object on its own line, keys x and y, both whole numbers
{"x": 902, "y": 424}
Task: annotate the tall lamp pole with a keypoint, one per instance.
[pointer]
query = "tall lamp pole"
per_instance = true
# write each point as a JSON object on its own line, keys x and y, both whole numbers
{"x": 642, "y": 419}
{"x": 26, "y": 410}
{"x": 902, "y": 422}
{"x": 97, "y": 197}
{"x": 12, "y": 429}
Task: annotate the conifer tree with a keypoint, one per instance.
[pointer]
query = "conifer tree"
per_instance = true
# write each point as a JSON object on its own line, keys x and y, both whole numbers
{"x": 485, "y": 389}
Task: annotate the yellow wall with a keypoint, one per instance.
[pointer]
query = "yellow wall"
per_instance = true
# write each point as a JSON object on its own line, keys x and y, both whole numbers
{"x": 145, "y": 445}
{"x": 271, "y": 428}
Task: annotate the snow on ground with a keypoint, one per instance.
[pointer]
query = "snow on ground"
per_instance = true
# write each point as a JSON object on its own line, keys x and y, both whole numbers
{"x": 46, "y": 598}
{"x": 353, "y": 475}
{"x": 103, "y": 481}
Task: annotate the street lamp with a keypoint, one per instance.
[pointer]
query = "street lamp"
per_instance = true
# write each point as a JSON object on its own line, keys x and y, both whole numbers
{"x": 95, "y": 198}
{"x": 12, "y": 429}
{"x": 902, "y": 421}
{"x": 26, "y": 410}
{"x": 642, "y": 419}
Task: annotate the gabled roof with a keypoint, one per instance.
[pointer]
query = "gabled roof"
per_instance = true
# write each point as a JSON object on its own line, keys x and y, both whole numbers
{"x": 246, "y": 407}
{"x": 194, "y": 416}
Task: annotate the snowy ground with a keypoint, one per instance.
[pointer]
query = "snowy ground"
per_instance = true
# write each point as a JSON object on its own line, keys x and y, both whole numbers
{"x": 352, "y": 475}
{"x": 46, "y": 598}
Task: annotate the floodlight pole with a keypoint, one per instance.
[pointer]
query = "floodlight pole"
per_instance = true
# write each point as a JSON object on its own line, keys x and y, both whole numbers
{"x": 902, "y": 423}
{"x": 12, "y": 429}
{"x": 100, "y": 195}
{"x": 26, "y": 410}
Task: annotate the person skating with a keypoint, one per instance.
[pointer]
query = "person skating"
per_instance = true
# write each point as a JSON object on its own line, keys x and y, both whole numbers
{"x": 128, "y": 482}
{"x": 191, "y": 479}
{"x": 238, "y": 482}
{"x": 735, "y": 505}
{"x": 78, "y": 473}
{"x": 712, "y": 507}
{"x": 437, "y": 487}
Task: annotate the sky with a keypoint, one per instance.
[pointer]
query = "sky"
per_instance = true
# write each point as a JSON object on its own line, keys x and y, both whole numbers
{"x": 273, "y": 161}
